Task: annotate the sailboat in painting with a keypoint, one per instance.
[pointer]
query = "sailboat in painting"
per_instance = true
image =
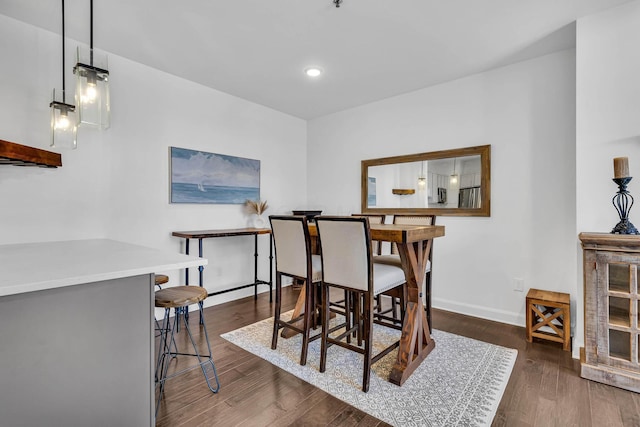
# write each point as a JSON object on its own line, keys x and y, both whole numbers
{"x": 201, "y": 187}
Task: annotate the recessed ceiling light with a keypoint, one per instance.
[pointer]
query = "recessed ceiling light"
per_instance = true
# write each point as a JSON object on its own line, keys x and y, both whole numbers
{"x": 313, "y": 71}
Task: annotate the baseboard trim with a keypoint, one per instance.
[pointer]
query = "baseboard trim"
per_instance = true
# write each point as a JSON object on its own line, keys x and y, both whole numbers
{"x": 503, "y": 316}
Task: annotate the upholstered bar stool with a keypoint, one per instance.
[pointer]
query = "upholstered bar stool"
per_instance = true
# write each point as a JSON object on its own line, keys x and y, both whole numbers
{"x": 294, "y": 259}
{"x": 345, "y": 244}
{"x": 180, "y": 298}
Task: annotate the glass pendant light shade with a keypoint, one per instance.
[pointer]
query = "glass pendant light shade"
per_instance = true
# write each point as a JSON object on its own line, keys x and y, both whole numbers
{"x": 92, "y": 90}
{"x": 63, "y": 124}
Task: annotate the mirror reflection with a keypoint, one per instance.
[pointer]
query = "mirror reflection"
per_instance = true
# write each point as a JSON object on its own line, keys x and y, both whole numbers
{"x": 451, "y": 182}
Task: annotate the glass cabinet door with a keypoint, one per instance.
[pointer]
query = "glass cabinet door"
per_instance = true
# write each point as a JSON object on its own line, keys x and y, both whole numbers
{"x": 618, "y": 306}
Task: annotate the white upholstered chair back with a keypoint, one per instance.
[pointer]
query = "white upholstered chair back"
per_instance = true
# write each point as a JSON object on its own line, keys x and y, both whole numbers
{"x": 411, "y": 220}
{"x": 344, "y": 243}
{"x": 290, "y": 244}
{"x": 376, "y": 245}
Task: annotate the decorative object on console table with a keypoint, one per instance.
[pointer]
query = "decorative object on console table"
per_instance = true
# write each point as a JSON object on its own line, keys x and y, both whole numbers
{"x": 256, "y": 208}
{"x": 309, "y": 214}
{"x": 623, "y": 200}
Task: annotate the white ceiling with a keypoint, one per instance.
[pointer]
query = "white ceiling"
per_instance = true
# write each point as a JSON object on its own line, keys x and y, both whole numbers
{"x": 369, "y": 49}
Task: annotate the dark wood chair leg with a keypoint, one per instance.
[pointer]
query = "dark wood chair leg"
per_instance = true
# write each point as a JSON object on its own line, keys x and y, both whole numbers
{"x": 348, "y": 313}
{"x": 357, "y": 309}
{"x": 367, "y": 324}
{"x": 276, "y": 315}
{"x": 325, "y": 328}
{"x": 427, "y": 286}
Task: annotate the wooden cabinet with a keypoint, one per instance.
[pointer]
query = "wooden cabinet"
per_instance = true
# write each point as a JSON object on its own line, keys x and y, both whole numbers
{"x": 611, "y": 305}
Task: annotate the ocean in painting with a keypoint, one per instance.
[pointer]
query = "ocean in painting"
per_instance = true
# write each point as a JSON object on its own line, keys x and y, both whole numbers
{"x": 199, "y": 193}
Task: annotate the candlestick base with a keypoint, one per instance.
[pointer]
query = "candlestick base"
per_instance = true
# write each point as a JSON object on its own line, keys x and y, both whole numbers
{"x": 624, "y": 227}
{"x": 623, "y": 201}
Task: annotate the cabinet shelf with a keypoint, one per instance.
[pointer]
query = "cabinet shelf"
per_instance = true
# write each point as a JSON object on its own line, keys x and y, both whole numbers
{"x": 620, "y": 311}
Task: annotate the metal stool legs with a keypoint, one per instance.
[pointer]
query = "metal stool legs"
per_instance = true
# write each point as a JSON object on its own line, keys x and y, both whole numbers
{"x": 167, "y": 341}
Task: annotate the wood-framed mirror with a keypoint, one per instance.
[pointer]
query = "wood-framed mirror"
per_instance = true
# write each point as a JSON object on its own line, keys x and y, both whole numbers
{"x": 444, "y": 183}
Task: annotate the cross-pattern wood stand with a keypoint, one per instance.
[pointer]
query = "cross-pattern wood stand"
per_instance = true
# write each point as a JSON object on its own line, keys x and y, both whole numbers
{"x": 550, "y": 309}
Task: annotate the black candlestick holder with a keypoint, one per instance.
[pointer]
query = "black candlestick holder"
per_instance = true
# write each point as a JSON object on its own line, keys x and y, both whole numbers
{"x": 623, "y": 201}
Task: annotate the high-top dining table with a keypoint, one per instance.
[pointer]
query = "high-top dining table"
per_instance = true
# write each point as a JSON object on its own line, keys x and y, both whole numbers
{"x": 414, "y": 245}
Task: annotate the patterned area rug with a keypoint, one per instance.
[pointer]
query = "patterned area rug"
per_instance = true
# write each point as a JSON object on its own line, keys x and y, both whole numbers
{"x": 460, "y": 383}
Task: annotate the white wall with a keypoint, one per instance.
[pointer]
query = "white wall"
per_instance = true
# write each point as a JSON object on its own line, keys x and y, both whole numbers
{"x": 526, "y": 112}
{"x": 44, "y": 204}
{"x": 116, "y": 183}
{"x": 607, "y": 119}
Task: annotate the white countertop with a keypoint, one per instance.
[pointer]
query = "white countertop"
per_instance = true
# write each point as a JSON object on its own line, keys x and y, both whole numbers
{"x": 32, "y": 267}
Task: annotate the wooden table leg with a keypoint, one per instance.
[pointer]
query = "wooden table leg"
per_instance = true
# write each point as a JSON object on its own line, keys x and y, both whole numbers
{"x": 415, "y": 342}
{"x": 297, "y": 311}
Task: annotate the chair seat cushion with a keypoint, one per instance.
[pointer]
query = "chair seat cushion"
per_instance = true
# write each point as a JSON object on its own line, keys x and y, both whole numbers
{"x": 395, "y": 260}
{"x": 386, "y": 277}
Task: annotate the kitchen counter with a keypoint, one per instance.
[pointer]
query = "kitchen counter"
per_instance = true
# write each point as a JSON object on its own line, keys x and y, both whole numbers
{"x": 77, "y": 331}
{"x": 32, "y": 267}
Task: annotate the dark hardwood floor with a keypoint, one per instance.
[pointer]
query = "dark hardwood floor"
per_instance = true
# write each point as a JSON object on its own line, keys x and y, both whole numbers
{"x": 545, "y": 388}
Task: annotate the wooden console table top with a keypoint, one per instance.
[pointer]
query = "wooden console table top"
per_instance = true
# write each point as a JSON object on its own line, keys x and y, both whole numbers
{"x": 205, "y": 234}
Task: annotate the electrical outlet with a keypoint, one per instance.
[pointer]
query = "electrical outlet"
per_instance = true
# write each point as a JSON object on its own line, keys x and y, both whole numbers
{"x": 518, "y": 284}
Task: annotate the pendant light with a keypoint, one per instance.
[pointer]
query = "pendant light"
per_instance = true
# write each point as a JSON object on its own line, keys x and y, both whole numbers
{"x": 63, "y": 121}
{"x": 92, "y": 85}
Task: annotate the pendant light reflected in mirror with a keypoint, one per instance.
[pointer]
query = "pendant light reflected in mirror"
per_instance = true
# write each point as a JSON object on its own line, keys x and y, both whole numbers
{"x": 422, "y": 180}
{"x": 63, "y": 120}
{"x": 453, "y": 179}
{"x": 92, "y": 85}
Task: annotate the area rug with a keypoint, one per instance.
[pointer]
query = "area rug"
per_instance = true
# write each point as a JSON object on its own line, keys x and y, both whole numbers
{"x": 460, "y": 383}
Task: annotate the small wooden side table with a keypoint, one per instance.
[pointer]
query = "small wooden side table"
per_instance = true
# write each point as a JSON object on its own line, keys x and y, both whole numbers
{"x": 550, "y": 309}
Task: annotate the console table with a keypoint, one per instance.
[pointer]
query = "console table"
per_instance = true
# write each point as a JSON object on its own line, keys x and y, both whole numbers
{"x": 209, "y": 234}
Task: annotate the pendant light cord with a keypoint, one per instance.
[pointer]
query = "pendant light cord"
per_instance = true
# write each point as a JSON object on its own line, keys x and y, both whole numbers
{"x": 91, "y": 33}
{"x": 63, "y": 85}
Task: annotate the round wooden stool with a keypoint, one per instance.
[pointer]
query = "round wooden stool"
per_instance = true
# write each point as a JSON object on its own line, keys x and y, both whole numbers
{"x": 179, "y": 298}
{"x": 161, "y": 279}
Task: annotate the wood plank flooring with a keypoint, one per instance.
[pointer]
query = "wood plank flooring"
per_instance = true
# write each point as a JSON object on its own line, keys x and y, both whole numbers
{"x": 545, "y": 388}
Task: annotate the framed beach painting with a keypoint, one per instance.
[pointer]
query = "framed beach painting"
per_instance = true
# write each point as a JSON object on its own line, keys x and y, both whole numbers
{"x": 202, "y": 177}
